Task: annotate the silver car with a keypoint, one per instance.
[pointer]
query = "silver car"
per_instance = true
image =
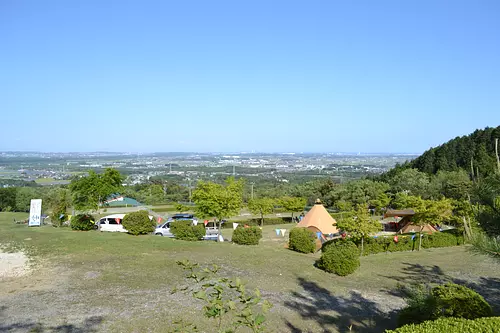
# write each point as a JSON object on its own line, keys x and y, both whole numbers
{"x": 164, "y": 230}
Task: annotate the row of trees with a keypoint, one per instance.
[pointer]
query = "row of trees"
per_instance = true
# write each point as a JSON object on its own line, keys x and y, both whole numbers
{"x": 222, "y": 201}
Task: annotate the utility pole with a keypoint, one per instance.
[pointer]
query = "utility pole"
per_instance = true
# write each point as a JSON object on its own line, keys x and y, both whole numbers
{"x": 251, "y": 195}
{"x": 170, "y": 167}
{"x": 189, "y": 180}
{"x": 234, "y": 171}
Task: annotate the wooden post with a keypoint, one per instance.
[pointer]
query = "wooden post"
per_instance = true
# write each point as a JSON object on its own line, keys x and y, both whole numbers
{"x": 420, "y": 236}
{"x": 470, "y": 229}
{"x": 466, "y": 228}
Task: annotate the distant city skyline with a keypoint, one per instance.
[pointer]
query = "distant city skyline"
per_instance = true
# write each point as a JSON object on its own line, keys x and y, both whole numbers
{"x": 231, "y": 76}
{"x": 207, "y": 152}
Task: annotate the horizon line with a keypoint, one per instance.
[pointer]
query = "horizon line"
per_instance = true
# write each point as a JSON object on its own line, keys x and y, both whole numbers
{"x": 208, "y": 152}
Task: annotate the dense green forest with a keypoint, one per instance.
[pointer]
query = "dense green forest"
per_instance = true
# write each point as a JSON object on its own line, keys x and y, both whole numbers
{"x": 474, "y": 153}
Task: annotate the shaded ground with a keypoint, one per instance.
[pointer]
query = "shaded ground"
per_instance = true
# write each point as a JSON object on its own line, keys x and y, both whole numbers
{"x": 94, "y": 282}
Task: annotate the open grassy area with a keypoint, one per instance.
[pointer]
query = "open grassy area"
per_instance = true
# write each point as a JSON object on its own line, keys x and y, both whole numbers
{"x": 45, "y": 180}
{"x": 95, "y": 282}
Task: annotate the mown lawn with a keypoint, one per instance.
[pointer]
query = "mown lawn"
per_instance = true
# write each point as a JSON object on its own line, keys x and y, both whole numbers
{"x": 97, "y": 282}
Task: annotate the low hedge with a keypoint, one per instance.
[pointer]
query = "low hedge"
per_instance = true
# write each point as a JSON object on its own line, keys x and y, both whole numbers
{"x": 405, "y": 242}
{"x": 452, "y": 325}
{"x": 184, "y": 230}
{"x": 247, "y": 236}
{"x": 302, "y": 240}
{"x": 341, "y": 258}
{"x": 164, "y": 210}
{"x": 256, "y": 222}
{"x": 82, "y": 222}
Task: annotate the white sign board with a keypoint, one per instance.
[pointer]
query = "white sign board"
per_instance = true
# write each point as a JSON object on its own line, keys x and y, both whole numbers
{"x": 35, "y": 212}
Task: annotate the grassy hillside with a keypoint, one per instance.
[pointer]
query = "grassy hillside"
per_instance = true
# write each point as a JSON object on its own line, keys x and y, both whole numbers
{"x": 109, "y": 282}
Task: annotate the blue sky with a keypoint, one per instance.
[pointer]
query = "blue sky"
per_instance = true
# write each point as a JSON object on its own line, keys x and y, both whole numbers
{"x": 271, "y": 76}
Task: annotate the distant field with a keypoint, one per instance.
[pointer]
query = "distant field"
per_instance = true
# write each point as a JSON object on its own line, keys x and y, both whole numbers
{"x": 51, "y": 181}
{"x": 8, "y": 173}
{"x": 44, "y": 180}
{"x": 109, "y": 282}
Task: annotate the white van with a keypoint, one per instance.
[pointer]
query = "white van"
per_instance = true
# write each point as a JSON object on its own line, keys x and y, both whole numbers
{"x": 111, "y": 223}
{"x": 164, "y": 230}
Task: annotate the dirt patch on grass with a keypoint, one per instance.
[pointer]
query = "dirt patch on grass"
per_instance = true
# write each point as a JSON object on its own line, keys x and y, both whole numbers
{"x": 13, "y": 264}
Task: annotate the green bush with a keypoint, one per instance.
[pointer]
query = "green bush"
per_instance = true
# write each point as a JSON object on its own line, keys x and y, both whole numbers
{"x": 184, "y": 230}
{"x": 341, "y": 258}
{"x": 302, "y": 240}
{"x": 406, "y": 243}
{"x": 453, "y": 300}
{"x": 452, "y": 325}
{"x": 247, "y": 236}
{"x": 82, "y": 222}
{"x": 420, "y": 305}
{"x": 138, "y": 223}
{"x": 441, "y": 239}
{"x": 256, "y": 222}
{"x": 448, "y": 300}
{"x": 164, "y": 210}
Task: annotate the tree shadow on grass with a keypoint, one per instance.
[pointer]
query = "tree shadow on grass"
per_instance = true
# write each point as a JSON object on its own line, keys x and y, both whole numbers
{"x": 488, "y": 287}
{"x": 89, "y": 325}
{"x": 337, "y": 313}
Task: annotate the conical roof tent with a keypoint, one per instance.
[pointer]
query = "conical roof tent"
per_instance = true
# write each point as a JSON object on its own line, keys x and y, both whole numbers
{"x": 318, "y": 219}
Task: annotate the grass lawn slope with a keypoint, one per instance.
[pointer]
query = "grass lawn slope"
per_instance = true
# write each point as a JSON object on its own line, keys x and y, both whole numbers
{"x": 93, "y": 281}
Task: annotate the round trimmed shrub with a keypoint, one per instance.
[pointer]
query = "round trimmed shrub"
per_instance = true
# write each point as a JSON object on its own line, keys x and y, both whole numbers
{"x": 302, "y": 240}
{"x": 452, "y": 325}
{"x": 138, "y": 223}
{"x": 184, "y": 230}
{"x": 341, "y": 258}
{"x": 82, "y": 222}
{"x": 454, "y": 300}
{"x": 448, "y": 300}
{"x": 247, "y": 236}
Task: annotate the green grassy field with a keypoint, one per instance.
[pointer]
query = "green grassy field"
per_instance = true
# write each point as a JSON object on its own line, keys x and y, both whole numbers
{"x": 93, "y": 281}
{"x": 45, "y": 180}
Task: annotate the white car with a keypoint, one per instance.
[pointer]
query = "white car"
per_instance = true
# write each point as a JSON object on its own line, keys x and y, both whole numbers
{"x": 164, "y": 230}
{"x": 113, "y": 223}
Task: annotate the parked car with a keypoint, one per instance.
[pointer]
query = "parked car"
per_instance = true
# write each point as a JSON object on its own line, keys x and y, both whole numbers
{"x": 112, "y": 223}
{"x": 164, "y": 230}
{"x": 182, "y": 217}
{"x": 211, "y": 231}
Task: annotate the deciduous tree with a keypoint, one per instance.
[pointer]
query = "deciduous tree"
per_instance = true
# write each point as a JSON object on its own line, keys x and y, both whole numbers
{"x": 293, "y": 204}
{"x": 429, "y": 211}
{"x": 90, "y": 192}
{"x": 261, "y": 206}
{"x": 218, "y": 201}
{"x": 360, "y": 225}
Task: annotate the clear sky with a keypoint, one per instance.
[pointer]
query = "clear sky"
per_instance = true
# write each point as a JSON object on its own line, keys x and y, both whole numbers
{"x": 270, "y": 76}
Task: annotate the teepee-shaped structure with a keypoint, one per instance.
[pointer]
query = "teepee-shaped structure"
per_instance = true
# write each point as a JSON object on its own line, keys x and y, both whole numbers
{"x": 318, "y": 219}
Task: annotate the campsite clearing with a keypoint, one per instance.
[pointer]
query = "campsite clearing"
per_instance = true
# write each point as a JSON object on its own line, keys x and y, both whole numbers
{"x": 94, "y": 281}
